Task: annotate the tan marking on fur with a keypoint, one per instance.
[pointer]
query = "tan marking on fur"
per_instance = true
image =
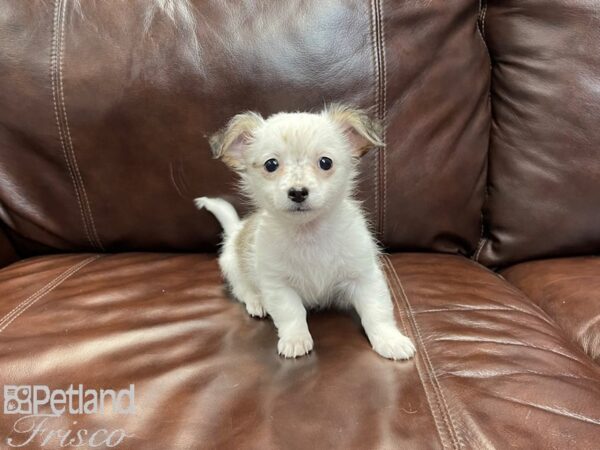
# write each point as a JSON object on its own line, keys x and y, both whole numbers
{"x": 237, "y": 133}
{"x": 274, "y": 175}
{"x": 362, "y": 131}
{"x": 269, "y": 175}
{"x": 320, "y": 173}
{"x": 244, "y": 243}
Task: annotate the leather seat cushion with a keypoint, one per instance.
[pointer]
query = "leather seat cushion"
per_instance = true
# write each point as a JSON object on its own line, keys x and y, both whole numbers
{"x": 568, "y": 289}
{"x": 491, "y": 370}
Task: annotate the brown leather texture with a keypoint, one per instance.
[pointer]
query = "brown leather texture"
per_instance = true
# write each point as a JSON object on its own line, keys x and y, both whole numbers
{"x": 106, "y": 108}
{"x": 544, "y": 168}
{"x": 568, "y": 289}
{"x": 105, "y": 112}
{"x": 491, "y": 371}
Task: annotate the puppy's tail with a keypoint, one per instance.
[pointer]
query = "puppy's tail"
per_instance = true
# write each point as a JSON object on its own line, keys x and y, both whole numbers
{"x": 223, "y": 211}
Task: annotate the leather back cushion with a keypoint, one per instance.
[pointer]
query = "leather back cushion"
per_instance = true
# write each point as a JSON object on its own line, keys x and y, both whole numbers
{"x": 544, "y": 181}
{"x": 106, "y": 107}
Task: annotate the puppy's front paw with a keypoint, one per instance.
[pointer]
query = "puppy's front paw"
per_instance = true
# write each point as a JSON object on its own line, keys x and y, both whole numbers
{"x": 392, "y": 344}
{"x": 295, "y": 345}
{"x": 255, "y": 309}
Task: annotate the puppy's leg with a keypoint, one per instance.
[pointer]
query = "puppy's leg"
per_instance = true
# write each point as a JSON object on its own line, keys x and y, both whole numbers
{"x": 243, "y": 289}
{"x": 371, "y": 299}
{"x": 285, "y": 307}
{"x": 245, "y": 292}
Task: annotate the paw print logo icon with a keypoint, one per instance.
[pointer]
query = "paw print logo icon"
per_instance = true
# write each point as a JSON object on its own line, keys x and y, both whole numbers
{"x": 11, "y": 406}
{"x": 17, "y": 399}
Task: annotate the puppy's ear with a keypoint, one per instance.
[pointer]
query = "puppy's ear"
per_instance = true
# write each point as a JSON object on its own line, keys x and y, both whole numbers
{"x": 230, "y": 143}
{"x": 362, "y": 131}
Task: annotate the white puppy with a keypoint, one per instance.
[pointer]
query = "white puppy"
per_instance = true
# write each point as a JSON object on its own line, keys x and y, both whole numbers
{"x": 307, "y": 244}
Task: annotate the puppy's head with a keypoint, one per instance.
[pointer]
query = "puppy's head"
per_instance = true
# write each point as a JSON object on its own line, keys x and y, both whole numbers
{"x": 297, "y": 164}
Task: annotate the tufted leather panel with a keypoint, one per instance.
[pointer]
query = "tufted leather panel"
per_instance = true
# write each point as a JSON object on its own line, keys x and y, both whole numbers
{"x": 492, "y": 370}
{"x": 106, "y": 107}
{"x": 568, "y": 289}
{"x": 544, "y": 168}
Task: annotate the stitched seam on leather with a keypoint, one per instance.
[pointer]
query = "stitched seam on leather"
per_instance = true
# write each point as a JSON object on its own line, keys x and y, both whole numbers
{"x": 383, "y": 149}
{"x": 54, "y": 72}
{"x": 446, "y": 413}
{"x": 42, "y": 291}
{"x": 53, "y": 75}
{"x": 380, "y": 105}
{"x": 375, "y": 59}
{"x": 481, "y": 18}
{"x": 60, "y": 111}
{"x": 435, "y": 411}
{"x": 483, "y": 13}
{"x": 50, "y": 286}
{"x": 86, "y": 203}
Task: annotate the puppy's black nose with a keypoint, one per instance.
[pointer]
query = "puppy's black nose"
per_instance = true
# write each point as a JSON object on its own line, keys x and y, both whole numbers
{"x": 298, "y": 195}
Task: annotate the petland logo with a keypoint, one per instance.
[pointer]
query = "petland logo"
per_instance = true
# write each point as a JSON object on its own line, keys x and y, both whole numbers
{"x": 42, "y": 407}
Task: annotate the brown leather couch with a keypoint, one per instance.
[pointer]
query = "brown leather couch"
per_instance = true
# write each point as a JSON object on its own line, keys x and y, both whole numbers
{"x": 486, "y": 197}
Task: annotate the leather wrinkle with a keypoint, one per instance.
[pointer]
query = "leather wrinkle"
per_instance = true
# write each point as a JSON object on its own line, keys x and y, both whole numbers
{"x": 481, "y": 31}
{"x": 517, "y": 344}
{"x": 551, "y": 410}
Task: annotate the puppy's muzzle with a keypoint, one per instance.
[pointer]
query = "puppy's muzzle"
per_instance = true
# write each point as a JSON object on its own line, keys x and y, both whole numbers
{"x": 298, "y": 195}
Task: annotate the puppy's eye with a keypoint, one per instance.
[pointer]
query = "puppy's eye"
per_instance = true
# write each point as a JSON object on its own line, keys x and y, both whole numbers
{"x": 271, "y": 165}
{"x": 325, "y": 163}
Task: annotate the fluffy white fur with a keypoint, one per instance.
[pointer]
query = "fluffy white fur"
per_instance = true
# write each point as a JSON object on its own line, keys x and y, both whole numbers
{"x": 290, "y": 256}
